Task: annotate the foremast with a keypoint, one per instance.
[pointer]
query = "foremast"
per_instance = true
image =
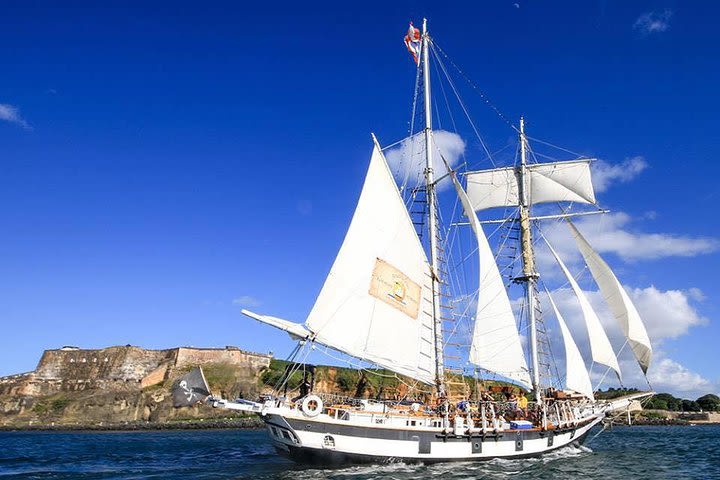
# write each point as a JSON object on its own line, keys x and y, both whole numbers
{"x": 432, "y": 216}
{"x": 529, "y": 274}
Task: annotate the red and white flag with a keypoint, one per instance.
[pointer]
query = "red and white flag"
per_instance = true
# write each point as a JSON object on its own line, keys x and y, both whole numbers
{"x": 412, "y": 42}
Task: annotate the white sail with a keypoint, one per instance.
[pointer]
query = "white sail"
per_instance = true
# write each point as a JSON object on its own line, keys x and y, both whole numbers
{"x": 617, "y": 299}
{"x": 376, "y": 303}
{"x": 496, "y": 342}
{"x": 600, "y": 347}
{"x": 576, "y": 375}
{"x": 548, "y": 182}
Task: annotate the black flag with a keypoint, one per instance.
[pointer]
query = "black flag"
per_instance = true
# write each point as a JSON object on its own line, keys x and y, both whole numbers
{"x": 190, "y": 389}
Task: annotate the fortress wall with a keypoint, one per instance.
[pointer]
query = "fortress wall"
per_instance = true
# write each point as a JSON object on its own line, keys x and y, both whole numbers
{"x": 125, "y": 368}
{"x": 187, "y": 356}
{"x": 109, "y": 364}
{"x": 14, "y": 384}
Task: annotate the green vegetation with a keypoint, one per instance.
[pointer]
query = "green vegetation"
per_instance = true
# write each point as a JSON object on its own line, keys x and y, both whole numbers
{"x": 52, "y": 405}
{"x": 220, "y": 376}
{"x": 370, "y": 383}
{"x": 709, "y": 402}
{"x": 347, "y": 380}
{"x": 611, "y": 393}
{"x": 272, "y": 375}
{"x": 666, "y": 401}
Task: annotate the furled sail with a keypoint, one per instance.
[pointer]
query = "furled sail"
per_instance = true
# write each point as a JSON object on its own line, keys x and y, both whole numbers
{"x": 576, "y": 375}
{"x": 547, "y": 182}
{"x": 376, "y": 303}
{"x": 617, "y": 299}
{"x": 496, "y": 342}
{"x": 600, "y": 347}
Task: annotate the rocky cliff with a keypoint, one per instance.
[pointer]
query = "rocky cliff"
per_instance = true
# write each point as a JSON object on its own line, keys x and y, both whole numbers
{"x": 122, "y": 385}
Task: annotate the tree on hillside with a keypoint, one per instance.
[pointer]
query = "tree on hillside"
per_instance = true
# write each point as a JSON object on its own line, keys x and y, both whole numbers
{"x": 611, "y": 393}
{"x": 656, "y": 404}
{"x": 709, "y": 402}
{"x": 664, "y": 401}
{"x": 690, "y": 406}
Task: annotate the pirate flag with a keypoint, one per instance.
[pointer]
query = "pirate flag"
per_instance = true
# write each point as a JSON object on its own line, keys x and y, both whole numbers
{"x": 190, "y": 389}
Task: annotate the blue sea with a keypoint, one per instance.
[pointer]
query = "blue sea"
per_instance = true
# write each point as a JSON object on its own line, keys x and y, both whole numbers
{"x": 637, "y": 452}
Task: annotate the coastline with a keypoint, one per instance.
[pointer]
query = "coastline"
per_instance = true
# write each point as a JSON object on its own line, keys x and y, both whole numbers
{"x": 250, "y": 423}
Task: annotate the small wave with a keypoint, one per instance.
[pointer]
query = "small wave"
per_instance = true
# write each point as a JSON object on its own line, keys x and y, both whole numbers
{"x": 569, "y": 451}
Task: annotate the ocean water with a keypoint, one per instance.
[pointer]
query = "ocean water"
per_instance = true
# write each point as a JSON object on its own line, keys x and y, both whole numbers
{"x": 624, "y": 452}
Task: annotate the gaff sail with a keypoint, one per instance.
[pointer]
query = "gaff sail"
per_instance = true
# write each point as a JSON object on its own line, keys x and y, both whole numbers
{"x": 376, "y": 303}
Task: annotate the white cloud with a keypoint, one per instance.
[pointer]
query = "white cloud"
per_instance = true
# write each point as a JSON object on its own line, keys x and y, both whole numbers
{"x": 246, "y": 301}
{"x": 11, "y": 114}
{"x": 407, "y": 160}
{"x": 610, "y": 234}
{"x": 604, "y": 174}
{"x": 650, "y": 215}
{"x": 667, "y": 374}
{"x": 653, "y": 22}
{"x": 696, "y": 294}
{"x": 664, "y": 375}
{"x": 667, "y": 314}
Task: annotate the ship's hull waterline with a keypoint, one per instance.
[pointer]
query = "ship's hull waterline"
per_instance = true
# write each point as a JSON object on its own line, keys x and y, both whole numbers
{"x": 315, "y": 442}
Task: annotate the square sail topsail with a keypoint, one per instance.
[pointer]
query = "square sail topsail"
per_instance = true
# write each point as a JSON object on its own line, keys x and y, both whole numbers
{"x": 547, "y": 182}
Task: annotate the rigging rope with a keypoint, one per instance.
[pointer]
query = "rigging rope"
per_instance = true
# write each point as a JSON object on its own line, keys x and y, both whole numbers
{"x": 475, "y": 87}
{"x": 462, "y": 105}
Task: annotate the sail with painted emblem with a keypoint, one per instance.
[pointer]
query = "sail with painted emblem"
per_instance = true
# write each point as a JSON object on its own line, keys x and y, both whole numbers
{"x": 376, "y": 303}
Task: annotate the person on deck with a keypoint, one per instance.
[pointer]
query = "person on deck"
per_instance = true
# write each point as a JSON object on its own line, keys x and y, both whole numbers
{"x": 513, "y": 401}
{"x": 523, "y": 403}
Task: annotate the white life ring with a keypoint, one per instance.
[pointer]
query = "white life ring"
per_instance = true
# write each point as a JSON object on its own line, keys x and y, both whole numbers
{"x": 312, "y": 405}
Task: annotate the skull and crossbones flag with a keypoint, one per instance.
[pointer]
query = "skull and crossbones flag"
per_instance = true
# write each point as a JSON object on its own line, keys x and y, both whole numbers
{"x": 190, "y": 389}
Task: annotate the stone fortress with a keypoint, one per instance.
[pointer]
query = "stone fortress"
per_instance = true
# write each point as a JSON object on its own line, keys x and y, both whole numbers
{"x": 121, "y": 383}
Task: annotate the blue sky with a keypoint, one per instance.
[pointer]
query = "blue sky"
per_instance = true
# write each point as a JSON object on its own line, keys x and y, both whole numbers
{"x": 165, "y": 163}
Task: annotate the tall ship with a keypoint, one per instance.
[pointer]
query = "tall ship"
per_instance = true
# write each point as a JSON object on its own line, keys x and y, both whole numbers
{"x": 395, "y": 301}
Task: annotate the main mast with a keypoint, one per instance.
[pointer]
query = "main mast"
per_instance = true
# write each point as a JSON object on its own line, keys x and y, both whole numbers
{"x": 432, "y": 221}
{"x": 529, "y": 275}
